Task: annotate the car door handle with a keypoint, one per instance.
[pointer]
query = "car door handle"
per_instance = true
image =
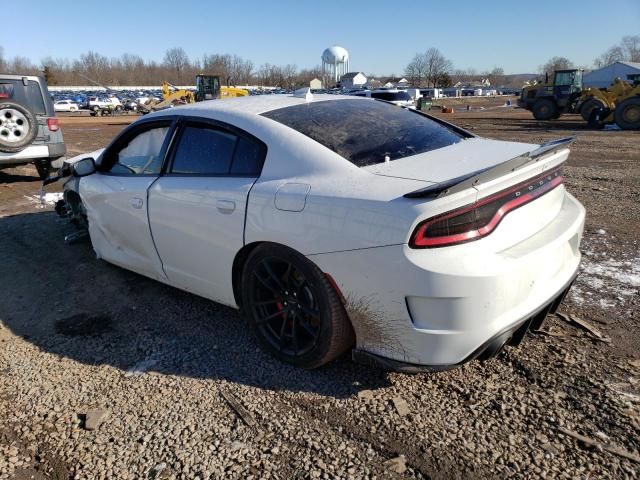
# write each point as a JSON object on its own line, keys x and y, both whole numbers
{"x": 137, "y": 202}
{"x": 226, "y": 206}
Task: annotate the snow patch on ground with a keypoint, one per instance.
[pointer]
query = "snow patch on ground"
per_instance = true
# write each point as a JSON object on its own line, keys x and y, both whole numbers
{"x": 48, "y": 199}
{"x": 606, "y": 281}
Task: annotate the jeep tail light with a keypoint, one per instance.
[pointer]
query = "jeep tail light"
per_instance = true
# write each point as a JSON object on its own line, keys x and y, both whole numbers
{"x": 53, "y": 124}
{"x": 475, "y": 221}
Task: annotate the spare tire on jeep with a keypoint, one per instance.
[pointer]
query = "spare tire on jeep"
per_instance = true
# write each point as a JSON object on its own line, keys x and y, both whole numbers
{"x": 18, "y": 126}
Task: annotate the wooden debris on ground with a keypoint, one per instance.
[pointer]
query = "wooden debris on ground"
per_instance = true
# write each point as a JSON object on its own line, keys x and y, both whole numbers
{"x": 584, "y": 325}
{"x": 593, "y": 443}
{"x": 240, "y": 410}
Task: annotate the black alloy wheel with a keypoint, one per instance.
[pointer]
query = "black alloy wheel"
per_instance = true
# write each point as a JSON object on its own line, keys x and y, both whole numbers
{"x": 295, "y": 311}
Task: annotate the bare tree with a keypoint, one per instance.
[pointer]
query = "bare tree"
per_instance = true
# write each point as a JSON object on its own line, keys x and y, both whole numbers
{"x": 289, "y": 76}
{"x": 262, "y": 74}
{"x": 496, "y": 76}
{"x": 614, "y": 54}
{"x": 436, "y": 64}
{"x": 243, "y": 71}
{"x": 219, "y": 64}
{"x": 631, "y": 48}
{"x": 2, "y": 61}
{"x": 178, "y": 61}
{"x": 627, "y": 50}
{"x": 22, "y": 66}
{"x": 131, "y": 69}
{"x": 306, "y": 75}
{"x": 94, "y": 66}
{"x": 417, "y": 69}
{"x": 555, "y": 63}
{"x": 427, "y": 68}
{"x": 239, "y": 70}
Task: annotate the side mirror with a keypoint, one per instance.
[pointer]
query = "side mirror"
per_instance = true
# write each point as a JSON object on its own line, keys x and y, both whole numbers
{"x": 83, "y": 167}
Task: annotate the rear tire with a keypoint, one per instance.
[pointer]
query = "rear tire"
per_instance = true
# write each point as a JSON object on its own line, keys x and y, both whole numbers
{"x": 627, "y": 114}
{"x": 293, "y": 309}
{"x": 544, "y": 109}
{"x": 18, "y": 127}
{"x": 589, "y": 106}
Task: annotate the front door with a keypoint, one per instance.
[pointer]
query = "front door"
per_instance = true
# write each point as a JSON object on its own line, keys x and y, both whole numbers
{"x": 116, "y": 198}
{"x": 197, "y": 209}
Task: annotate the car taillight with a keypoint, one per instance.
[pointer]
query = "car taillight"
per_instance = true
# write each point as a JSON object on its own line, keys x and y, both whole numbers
{"x": 475, "y": 221}
{"x": 53, "y": 124}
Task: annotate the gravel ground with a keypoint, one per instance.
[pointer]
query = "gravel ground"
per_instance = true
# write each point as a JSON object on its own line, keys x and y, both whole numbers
{"x": 107, "y": 374}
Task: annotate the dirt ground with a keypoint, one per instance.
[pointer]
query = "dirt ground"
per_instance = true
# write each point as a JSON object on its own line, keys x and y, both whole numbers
{"x": 107, "y": 374}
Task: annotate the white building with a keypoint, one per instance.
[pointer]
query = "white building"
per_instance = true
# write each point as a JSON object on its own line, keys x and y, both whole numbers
{"x": 315, "y": 84}
{"x": 353, "y": 80}
{"x": 604, "y": 77}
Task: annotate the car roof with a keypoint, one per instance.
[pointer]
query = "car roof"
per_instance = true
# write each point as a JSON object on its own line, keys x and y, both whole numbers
{"x": 257, "y": 104}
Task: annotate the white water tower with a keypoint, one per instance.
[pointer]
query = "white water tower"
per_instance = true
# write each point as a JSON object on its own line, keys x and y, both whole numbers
{"x": 335, "y": 63}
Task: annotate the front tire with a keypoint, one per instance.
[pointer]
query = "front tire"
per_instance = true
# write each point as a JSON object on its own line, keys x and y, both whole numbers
{"x": 294, "y": 310}
{"x": 544, "y": 109}
{"x": 627, "y": 114}
{"x": 589, "y": 106}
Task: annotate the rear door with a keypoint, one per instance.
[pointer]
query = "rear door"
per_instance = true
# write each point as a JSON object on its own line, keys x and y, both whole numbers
{"x": 116, "y": 198}
{"x": 197, "y": 208}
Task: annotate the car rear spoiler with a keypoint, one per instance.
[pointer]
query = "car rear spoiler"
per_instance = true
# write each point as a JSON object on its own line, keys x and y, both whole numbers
{"x": 463, "y": 182}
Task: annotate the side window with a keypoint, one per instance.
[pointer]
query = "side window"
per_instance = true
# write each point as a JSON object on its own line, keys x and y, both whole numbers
{"x": 204, "y": 150}
{"x": 564, "y": 78}
{"x": 142, "y": 154}
{"x": 248, "y": 158}
{"x": 36, "y": 100}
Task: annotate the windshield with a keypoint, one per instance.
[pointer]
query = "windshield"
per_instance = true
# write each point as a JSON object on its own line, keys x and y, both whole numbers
{"x": 366, "y": 132}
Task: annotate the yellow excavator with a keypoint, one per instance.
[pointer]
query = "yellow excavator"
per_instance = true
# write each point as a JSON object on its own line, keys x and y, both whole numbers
{"x": 207, "y": 88}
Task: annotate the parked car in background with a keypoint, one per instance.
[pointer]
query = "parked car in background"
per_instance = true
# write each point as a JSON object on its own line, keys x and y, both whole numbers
{"x": 29, "y": 131}
{"x": 398, "y": 97}
{"x": 337, "y": 222}
{"x": 96, "y": 103}
{"x": 66, "y": 106}
{"x": 130, "y": 105}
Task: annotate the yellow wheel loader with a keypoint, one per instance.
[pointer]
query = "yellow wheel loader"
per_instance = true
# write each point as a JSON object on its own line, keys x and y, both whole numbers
{"x": 618, "y": 104}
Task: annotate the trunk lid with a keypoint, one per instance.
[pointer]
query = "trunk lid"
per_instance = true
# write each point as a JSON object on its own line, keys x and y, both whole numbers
{"x": 452, "y": 162}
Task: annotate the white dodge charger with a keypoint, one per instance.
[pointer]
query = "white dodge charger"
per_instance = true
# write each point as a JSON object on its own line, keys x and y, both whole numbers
{"x": 339, "y": 223}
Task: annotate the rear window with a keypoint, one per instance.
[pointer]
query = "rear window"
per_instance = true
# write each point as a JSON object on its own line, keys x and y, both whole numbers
{"x": 28, "y": 95}
{"x": 366, "y": 132}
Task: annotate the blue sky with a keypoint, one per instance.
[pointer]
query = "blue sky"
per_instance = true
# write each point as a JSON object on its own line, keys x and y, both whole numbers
{"x": 381, "y": 36}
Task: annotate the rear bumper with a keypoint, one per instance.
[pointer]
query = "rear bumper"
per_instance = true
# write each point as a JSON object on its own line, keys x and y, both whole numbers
{"x": 57, "y": 150}
{"x": 512, "y": 336}
{"x": 442, "y": 307}
{"x": 33, "y": 152}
